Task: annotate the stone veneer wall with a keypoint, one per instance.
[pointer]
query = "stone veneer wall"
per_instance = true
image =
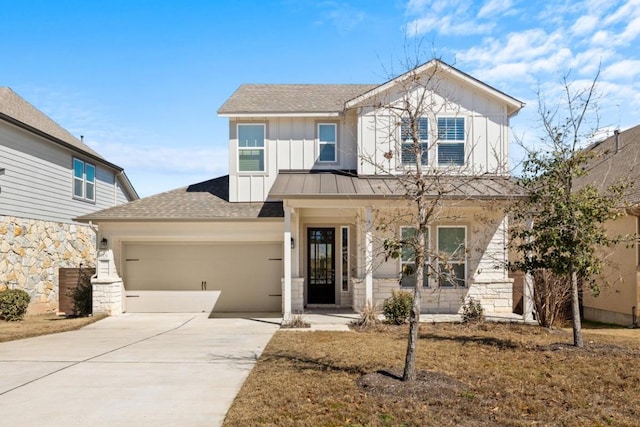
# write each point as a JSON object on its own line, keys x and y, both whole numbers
{"x": 495, "y": 297}
{"x": 31, "y": 251}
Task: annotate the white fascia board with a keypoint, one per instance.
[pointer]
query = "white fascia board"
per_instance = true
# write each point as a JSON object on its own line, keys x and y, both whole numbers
{"x": 513, "y": 105}
{"x": 244, "y": 115}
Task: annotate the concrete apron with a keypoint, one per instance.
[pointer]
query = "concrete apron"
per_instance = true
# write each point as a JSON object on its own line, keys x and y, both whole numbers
{"x": 131, "y": 370}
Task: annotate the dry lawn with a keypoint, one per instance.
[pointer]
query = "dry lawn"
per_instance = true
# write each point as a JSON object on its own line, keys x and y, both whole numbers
{"x": 32, "y": 326}
{"x": 478, "y": 375}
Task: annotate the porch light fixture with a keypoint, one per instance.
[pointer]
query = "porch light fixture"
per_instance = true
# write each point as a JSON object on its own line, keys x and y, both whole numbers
{"x": 104, "y": 243}
{"x": 293, "y": 243}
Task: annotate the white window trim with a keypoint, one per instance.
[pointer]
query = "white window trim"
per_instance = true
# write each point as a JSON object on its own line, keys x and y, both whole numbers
{"x": 263, "y": 148}
{"x": 466, "y": 263}
{"x": 402, "y": 164}
{"x": 335, "y": 143}
{"x": 342, "y": 266}
{"x": 84, "y": 181}
{"x": 449, "y": 141}
{"x": 427, "y": 258}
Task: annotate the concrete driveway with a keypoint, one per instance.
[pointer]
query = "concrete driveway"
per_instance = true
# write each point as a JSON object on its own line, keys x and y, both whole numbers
{"x": 131, "y": 370}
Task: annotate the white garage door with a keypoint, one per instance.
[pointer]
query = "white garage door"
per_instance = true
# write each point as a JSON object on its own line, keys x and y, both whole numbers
{"x": 182, "y": 277}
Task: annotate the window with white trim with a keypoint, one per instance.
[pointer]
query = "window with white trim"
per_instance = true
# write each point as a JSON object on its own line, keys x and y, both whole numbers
{"x": 84, "y": 180}
{"x": 407, "y": 154}
{"x": 327, "y": 139}
{"x": 345, "y": 258}
{"x": 408, "y": 258}
{"x": 451, "y": 139}
{"x": 251, "y": 147}
{"x": 452, "y": 247}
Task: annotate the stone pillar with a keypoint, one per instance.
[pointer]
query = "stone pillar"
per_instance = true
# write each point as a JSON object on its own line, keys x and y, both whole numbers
{"x": 107, "y": 286}
{"x": 527, "y": 291}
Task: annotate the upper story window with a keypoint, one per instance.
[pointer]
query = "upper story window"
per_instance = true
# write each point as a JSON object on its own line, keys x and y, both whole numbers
{"x": 251, "y": 147}
{"x": 408, "y": 259}
{"x": 451, "y": 138}
{"x": 327, "y": 138}
{"x": 408, "y": 156}
{"x": 84, "y": 180}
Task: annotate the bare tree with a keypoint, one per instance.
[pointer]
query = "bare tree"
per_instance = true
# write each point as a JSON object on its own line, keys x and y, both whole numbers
{"x": 428, "y": 190}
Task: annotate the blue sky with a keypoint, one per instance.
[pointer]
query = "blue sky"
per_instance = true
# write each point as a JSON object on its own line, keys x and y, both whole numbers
{"x": 142, "y": 79}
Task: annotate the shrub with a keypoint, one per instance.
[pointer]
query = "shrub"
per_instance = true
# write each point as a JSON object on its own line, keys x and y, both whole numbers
{"x": 82, "y": 296}
{"x": 368, "y": 317}
{"x": 296, "y": 321}
{"x": 472, "y": 311}
{"x": 397, "y": 307}
{"x": 551, "y": 296}
{"x": 13, "y": 304}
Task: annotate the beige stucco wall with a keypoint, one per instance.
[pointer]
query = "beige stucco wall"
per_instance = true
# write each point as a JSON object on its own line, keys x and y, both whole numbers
{"x": 620, "y": 285}
{"x": 32, "y": 251}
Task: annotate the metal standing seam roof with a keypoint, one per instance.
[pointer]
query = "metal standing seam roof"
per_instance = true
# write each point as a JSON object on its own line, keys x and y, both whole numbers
{"x": 207, "y": 200}
{"x": 615, "y": 166}
{"x": 337, "y": 184}
{"x": 15, "y": 107}
{"x": 292, "y": 98}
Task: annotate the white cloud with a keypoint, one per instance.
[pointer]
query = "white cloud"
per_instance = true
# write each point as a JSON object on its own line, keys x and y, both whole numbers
{"x": 494, "y": 7}
{"x": 625, "y": 69}
{"x": 585, "y": 25}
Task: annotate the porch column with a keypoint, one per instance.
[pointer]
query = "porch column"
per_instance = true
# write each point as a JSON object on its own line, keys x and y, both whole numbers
{"x": 527, "y": 291}
{"x": 286, "y": 291}
{"x": 368, "y": 258}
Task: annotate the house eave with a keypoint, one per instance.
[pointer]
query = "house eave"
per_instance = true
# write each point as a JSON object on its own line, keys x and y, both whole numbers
{"x": 98, "y": 220}
{"x": 276, "y": 114}
{"x": 59, "y": 142}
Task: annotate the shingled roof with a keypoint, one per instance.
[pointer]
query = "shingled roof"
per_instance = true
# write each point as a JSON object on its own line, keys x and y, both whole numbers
{"x": 14, "y": 108}
{"x": 207, "y": 200}
{"x": 292, "y": 98}
{"x": 618, "y": 161}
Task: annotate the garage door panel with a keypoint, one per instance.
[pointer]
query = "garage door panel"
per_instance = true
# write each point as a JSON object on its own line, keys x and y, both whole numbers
{"x": 247, "y": 276}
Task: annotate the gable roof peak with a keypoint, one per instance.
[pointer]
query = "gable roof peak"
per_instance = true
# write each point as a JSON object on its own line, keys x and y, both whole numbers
{"x": 436, "y": 65}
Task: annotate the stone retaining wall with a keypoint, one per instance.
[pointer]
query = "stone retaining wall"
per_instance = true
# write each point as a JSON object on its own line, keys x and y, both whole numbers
{"x": 32, "y": 251}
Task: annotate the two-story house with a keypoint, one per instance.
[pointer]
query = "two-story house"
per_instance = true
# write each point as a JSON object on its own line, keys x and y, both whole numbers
{"x": 314, "y": 170}
{"x": 617, "y": 162}
{"x": 48, "y": 177}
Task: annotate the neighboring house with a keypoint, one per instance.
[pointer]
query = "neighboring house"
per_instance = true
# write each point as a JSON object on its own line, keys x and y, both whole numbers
{"x": 48, "y": 177}
{"x": 618, "y": 161}
{"x": 295, "y": 223}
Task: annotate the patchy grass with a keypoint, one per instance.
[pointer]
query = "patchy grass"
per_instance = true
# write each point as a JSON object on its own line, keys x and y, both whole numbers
{"x": 489, "y": 374}
{"x": 33, "y": 326}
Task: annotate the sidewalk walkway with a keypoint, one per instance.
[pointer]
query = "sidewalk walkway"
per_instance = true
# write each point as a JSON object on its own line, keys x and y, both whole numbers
{"x": 339, "y": 320}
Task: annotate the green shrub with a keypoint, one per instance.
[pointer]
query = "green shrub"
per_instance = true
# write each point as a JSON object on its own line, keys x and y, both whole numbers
{"x": 472, "y": 311}
{"x": 13, "y": 304}
{"x": 397, "y": 307}
{"x": 82, "y": 296}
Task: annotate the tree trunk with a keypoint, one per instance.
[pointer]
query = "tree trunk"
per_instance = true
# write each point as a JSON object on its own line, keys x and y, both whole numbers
{"x": 414, "y": 324}
{"x": 575, "y": 311}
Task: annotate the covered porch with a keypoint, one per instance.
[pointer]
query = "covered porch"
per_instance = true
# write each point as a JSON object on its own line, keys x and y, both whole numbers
{"x": 333, "y": 257}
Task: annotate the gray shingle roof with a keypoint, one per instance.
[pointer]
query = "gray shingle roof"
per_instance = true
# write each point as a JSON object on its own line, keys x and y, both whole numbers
{"x": 613, "y": 167}
{"x": 346, "y": 185}
{"x": 292, "y": 98}
{"x": 15, "y": 107}
{"x": 208, "y": 200}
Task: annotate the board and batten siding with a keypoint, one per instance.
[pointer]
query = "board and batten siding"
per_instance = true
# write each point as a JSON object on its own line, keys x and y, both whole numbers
{"x": 290, "y": 143}
{"x": 486, "y": 129}
{"x": 38, "y": 179}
